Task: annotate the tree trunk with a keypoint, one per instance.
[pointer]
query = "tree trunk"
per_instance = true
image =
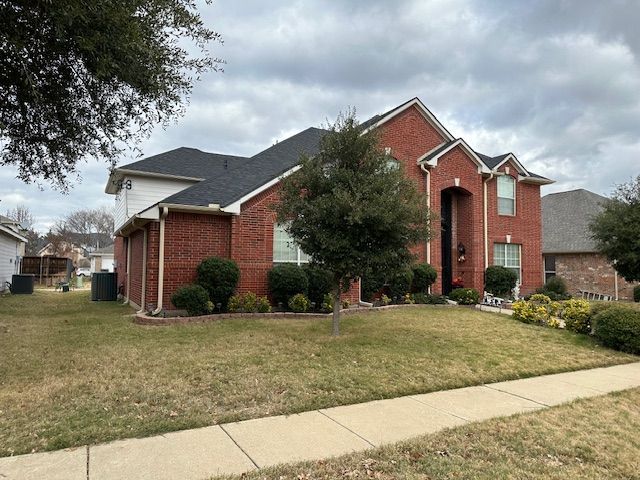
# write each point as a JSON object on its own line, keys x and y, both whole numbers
{"x": 337, "y": 304}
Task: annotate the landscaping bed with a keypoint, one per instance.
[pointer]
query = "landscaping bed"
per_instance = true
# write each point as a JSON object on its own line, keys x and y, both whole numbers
{"x": 74, "y": 372}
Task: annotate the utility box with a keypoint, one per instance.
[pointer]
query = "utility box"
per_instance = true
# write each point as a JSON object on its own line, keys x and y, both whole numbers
{"x": 22, "y": 284}
{"x": 104, "y": 287}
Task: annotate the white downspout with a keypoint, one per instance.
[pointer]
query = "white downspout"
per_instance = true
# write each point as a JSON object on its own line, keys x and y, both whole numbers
{"x": 144, "y": 272}
{"x": 428, "y": 181}
{"x": 485, "y": 219}
{"x": 615, "y": 273}
{"x": 163, "y": 216}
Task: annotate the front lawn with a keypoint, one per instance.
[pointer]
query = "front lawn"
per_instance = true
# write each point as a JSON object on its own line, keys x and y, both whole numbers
{"x": 74, "y": 371}
{"x": 594, "y": 439}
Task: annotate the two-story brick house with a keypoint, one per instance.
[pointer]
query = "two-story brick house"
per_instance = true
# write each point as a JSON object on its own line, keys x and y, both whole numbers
{"x": 179, "y": 207}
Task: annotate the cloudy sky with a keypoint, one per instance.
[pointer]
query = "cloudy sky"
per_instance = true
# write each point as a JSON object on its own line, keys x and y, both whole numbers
{"x": 556, "y": 82}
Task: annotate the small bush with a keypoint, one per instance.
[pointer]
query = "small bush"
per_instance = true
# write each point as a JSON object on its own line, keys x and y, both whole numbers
{"x": 408, "y": 299}
{"x": 345, "y": 304}
{"x": 327, "y": 303}
{"x": 636, "y": 293}
{"x": 424, "y": 275}
{"x": 320, "y": 283}
{"x": 399, "y": 284}
{"x": 619, "y": 328}
{"x": 555, "y": 289}
{"x": 192, "y": 298}
{"x": 249, "y": 303}
{"x": 577, "y": 316}
{"x": 219, "y": 277}
{"x": 285, "y": 281}
{"x": 427, "y": 299}
{"x": 299, "y": 303}
{"x": 384, "y": 300}
{"x": 539, "y": 309}
{"x": 465, "y": 296}
{"x": 499, "y": 281}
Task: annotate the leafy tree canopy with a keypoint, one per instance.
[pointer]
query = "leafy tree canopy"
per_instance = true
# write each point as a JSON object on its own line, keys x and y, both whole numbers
{"x": 82, "y": 79}
{"x": 616, "y": 230}
{"x": 350, "y": 209}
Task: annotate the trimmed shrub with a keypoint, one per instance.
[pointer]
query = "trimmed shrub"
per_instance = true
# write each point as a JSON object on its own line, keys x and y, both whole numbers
{"x": 219, "y": 277}
{"x": 465, "y": 296}
{"x": 427, "y": 299}
{"x": 285, "y": 281}
{"x": 499, "y": 280}
{"x": 600, "y": 306}
{"x": 192, "y": 298}
{"x": 619, "y": 328}
{"x": 636, "y": 293}
{"x": 577, "y": 316}
{"x": 555, "y": 289}
{"x": 249, "y": 303}
{"x": 423, "y": 277}
{"x": 399, "y": 284}
{"x": 539, "y": 309}
{"x": 299, "y": 303}
{"x": 320, "y": 283}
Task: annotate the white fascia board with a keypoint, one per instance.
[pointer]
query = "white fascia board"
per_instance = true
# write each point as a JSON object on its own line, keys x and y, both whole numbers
{"x": 13, "y": 233}
{"x": 482, "y": 168}
{"x": 421, "y": 159}
{"x": 511, "y": 157}
{"x": 425, "y": 113}
{"x": 236, "y": 206}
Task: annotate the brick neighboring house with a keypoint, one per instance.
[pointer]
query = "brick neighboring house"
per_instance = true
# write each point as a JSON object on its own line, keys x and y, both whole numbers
{"x": 570, "y": 253}
{"x": 179, "y": 207}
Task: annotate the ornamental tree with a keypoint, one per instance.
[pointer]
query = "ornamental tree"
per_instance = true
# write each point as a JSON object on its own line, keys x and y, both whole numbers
{"x": 616, "y": 230}
{"x": 351, "y": 209}
{"x": 82, "y": 79}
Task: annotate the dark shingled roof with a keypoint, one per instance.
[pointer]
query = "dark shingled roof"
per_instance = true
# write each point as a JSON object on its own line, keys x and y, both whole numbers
{"x": 188, "y": 162}
{"x": 229, "y": 186}
{"x": 565, "y": 221}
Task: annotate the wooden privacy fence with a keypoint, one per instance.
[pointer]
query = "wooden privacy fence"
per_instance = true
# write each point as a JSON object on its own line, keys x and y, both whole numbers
{"x": 47, "y": 270}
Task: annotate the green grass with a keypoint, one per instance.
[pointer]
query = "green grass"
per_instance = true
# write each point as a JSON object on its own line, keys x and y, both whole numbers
{"x": 74, "y": 371}
{"x": 588, "y": 439}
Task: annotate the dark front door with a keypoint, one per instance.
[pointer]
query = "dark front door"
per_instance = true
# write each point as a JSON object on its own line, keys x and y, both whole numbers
{"x": 446, "y": 228}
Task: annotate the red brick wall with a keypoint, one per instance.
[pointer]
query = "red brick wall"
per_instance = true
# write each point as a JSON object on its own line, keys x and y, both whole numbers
{"x": 592, "y": 273}
{"x": 525, "y": 228}
{"x": 189, "y": 238}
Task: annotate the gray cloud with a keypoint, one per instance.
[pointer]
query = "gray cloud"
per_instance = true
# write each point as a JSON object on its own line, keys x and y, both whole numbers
{"x": 555, "y": 82}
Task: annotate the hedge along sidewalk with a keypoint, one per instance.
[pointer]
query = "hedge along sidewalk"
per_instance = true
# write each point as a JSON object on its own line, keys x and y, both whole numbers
{"x": 143, "y": 319}
{"x": 238, "y": 447}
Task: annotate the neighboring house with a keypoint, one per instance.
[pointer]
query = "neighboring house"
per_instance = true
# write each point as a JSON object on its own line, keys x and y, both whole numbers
{"x": 102, "y": 259}
{"x": 179, "y": 207}
{"x": 76, "y": 253}
{"x": 12, "y": 246}
{"x": 570, "y": 253}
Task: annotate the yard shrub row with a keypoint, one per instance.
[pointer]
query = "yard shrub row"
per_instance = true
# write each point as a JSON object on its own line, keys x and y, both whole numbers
{"x": 539, "y": 309}
{"x": 288, "y": 280}
{"x": 618, "y": 327}
{"x": 249, "y": 303}
{"x": 396, "y": 284}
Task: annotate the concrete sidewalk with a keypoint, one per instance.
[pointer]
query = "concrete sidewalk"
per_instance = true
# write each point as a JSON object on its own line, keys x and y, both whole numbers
{"x": 239, "y": 447}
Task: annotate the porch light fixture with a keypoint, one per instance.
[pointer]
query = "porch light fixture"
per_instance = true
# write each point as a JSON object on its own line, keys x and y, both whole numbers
{"x": 508, "y": 238}
{"x": 456, "y": 182}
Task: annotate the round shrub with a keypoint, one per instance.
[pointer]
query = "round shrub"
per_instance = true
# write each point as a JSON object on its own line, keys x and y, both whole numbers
{"x": 423, "y": 277}
{"x": 399, "y": 284}
{"x": 636, "y": 293}
{"x": 192, "y": 298}
{"x": 299, "y": 303}
{"x": 555, "y": 288}
{"x": 577, "y": 316}
{"x": 249, "y": 303}
{"x": 499, "y": 280}
{"x": 285, "y": 281}
{"x": 619, "y": 328}
{"x": 320, "y": 283}
{"x": 219, "y": 277}
{"x": 465, "y": 296}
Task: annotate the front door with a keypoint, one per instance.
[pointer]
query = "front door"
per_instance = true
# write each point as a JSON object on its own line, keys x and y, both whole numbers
{"x": 446, "y": 236}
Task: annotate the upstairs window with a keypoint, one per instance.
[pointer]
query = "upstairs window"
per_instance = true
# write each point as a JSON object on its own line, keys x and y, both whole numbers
{"x": 508, "y": 255}
{"x": 285, "y": 249}
{"x": 506, "y": 195}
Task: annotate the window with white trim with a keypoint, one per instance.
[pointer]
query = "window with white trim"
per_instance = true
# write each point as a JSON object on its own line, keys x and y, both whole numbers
{"x": 506, "y": 195}
{"x": 508, "y": 255}
{"x": 285, "y": 249}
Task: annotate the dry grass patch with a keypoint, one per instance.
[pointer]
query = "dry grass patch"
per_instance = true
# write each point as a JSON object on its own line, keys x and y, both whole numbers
{"x": 74, "y": 371}
{"x": 588, "y": 439}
